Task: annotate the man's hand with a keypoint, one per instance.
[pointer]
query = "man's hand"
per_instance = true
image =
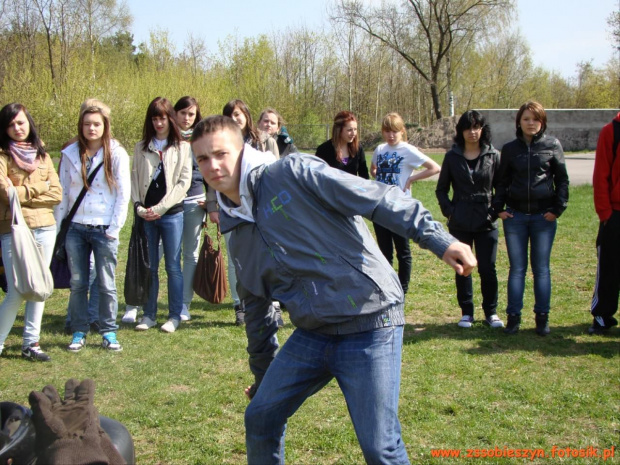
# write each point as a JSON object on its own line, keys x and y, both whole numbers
{"x": 459, "y": 256}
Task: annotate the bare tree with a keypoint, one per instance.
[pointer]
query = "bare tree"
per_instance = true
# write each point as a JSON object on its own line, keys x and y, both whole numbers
{"x": 47, "y": 13}
{"x": 102, "y": 18}
{"x": 195, "y": 52}
{"x": 424, "y": 32}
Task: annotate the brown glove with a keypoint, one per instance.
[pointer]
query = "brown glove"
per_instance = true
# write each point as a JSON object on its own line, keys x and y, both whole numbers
{"x": 68, "y": 430}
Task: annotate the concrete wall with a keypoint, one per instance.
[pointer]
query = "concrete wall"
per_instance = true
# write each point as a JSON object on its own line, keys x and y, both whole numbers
{"x": 575, "y": 129}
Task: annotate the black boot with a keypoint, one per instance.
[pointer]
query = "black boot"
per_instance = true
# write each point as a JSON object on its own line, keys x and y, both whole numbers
{"x": 512, "y": 326}
{"x": 239, "y": 315}
{"x": 542, "y": 324}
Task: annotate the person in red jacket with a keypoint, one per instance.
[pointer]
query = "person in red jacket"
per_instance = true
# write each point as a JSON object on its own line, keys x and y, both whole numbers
{"x": 606, "y": 182}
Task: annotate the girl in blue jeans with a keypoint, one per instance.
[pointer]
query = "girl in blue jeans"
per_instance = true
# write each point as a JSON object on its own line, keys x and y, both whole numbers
{"x": 532, "y": 192}
{"x": 187, "y": 113}
{"x": 160, "y": 177}
{"x": 96, "y": 226}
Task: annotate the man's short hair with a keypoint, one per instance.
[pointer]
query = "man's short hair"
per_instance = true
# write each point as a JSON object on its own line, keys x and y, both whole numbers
{"x": 216, "y": 123}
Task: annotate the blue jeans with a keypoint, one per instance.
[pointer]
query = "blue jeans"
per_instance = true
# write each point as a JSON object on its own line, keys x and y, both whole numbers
{"x": 535, "y": 230}
{"x": 367, "y": 368}
{"x": 168, "y": 229}
{"x": 82, "y": 240}
{"x": 46, "y": 237}
{"x": 193, "y": 219}
{"x": 93, "y": 296}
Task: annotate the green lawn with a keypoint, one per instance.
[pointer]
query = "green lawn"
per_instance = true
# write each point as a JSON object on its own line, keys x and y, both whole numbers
{"x": 181, "y": 395}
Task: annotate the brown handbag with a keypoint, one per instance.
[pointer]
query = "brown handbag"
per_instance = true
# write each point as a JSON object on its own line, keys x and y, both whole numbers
{"x": 210, "y": 278}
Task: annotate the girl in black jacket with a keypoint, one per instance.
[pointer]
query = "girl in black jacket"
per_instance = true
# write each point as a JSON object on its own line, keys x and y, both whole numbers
{"x": 531, "y": 193}
{"x": 343, "y": 151}
{"x": 470, "y": 167}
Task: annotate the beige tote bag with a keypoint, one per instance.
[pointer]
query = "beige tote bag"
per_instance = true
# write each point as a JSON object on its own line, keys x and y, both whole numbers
{"x": 31, "y": 274}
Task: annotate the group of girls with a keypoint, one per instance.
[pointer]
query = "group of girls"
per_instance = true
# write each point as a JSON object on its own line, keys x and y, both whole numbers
{"x": 164, "y": 185}
{"x": 527, "y": 188}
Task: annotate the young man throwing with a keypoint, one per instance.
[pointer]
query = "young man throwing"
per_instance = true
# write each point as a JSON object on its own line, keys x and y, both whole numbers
{"x": 298, "y": 238}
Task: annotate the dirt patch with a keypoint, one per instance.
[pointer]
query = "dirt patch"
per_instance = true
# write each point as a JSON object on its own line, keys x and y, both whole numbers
{"x": 439, "y": 135}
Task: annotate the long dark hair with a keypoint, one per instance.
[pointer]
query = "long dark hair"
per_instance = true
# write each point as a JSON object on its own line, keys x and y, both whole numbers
{"x": 186, "y": 102}
{"x": 105, "y": 141}
{"x": 160, "y": 106}
{"x": 340, "y": 120}
{"x": 249, "y": 132}
{"x": 467, "y": 120}
{"x": 8, "y": 114}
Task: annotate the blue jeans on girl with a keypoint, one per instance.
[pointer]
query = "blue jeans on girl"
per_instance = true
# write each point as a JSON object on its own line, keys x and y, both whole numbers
{"x": 520, "y": 231}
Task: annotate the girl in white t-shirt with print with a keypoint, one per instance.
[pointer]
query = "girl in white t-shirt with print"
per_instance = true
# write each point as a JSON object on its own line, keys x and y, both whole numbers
{"x": 395, "y": 163}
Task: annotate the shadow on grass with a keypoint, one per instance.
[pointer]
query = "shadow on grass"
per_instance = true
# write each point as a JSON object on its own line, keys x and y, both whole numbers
{"x": 564, "y": 341}
{"x": 201, "y": 318}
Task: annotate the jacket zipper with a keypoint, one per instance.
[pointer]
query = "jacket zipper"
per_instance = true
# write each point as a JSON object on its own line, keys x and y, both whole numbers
{"x": 529, "y": 177}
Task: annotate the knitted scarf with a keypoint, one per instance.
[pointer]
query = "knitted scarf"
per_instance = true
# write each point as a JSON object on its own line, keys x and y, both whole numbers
{"x": 24, "y": 155}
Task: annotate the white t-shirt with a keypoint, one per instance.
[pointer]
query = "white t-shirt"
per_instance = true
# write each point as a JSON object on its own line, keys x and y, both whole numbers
{"x": 396, "y": 163}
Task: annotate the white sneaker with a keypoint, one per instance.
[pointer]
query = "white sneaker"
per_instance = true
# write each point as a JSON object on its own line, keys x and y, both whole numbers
{"x": 170, "y": 326}
{"x": 185, "y": 316}
{"x": 466, "y": 322}
{"x": 494, "y": 322}
{"x": 145, "y": 323}
{"x": 131, "y": 314}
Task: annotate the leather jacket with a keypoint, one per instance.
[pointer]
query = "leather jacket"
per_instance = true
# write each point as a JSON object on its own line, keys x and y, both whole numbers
{"x": 532, "y": 178}
{"x": 470, "y": 207}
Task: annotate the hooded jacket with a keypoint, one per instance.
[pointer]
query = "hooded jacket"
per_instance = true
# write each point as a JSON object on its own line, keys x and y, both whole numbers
{"x": 606, "y": 177}
{"x": 470, "y": 207}
{"x": 532, "y": 178}
{"x": 296, "y": 238}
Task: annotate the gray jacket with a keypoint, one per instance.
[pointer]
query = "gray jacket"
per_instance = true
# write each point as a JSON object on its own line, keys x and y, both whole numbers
{"x": 309, "y": 249}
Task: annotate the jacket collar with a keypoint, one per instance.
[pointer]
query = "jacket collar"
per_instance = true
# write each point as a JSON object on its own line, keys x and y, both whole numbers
{"x": 71, "y": 154}
{"x": 253, "y": 163}
{"x": 484, "y": 150}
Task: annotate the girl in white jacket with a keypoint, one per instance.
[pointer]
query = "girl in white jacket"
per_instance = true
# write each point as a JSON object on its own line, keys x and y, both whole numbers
{"x": 97, "y": 223}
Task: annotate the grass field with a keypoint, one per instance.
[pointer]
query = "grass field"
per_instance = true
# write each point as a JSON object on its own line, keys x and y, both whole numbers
{"x": 181, "y": 395}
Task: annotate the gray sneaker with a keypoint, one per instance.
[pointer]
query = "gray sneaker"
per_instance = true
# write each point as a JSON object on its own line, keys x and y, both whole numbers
{"x": 494, "y": 322}
{"x": 145, "y": 323}
{"x": 170, "y": 326}
{"x": 466, "y": 322}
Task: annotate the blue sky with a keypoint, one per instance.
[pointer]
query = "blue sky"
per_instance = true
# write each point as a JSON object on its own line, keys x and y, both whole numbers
{"x": 561, "y": 33}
